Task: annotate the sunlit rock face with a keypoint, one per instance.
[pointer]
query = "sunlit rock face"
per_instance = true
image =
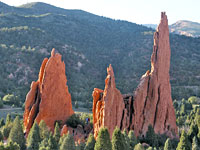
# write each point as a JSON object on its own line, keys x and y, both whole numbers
{"x": 48, "y": 98}
{"x": 108, "y": 105}
{"x": 152, "y": 99}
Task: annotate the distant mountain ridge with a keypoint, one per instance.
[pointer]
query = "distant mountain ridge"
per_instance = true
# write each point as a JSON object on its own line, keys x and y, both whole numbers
{"x": 153, "y": 26}
{"x": 184, "y": 27}
{"x": 88, "y": 44}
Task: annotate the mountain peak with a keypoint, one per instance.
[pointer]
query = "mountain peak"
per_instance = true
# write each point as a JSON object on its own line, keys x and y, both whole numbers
{"x": 185, "y": 27}
{"x": 35, "y": 5}
{"x": 3, "y": 5}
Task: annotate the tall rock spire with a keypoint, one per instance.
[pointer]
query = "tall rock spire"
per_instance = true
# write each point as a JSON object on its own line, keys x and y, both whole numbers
{"x": 48, "y": 98}
{"x": 152, "y": 101}
{"x": 108, "y": 105}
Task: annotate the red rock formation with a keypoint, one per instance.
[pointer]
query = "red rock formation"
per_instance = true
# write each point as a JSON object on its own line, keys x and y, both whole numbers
{"x": 64, "y": 130}
{"x": 151, "y": 103}
{"x": 48, "y": 98}
{"x": 107, "y": 105}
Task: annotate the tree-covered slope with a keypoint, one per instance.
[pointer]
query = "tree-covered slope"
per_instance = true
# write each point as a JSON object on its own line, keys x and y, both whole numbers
{"x": 88, "y": 43}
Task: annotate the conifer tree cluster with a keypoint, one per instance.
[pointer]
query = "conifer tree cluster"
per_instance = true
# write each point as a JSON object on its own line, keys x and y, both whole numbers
{"x": 41, "y": 138}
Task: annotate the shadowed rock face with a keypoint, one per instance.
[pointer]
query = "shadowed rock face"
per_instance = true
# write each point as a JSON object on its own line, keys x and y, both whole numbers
{"x": 151, "y": 103}
{"x": 48, "y": 98}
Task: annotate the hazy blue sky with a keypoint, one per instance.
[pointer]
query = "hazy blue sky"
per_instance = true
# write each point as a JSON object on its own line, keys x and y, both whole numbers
{"x": 138, "y": 11}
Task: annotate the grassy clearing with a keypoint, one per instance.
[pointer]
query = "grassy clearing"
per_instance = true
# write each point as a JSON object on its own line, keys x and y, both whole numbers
{"x": 13, "y": 111}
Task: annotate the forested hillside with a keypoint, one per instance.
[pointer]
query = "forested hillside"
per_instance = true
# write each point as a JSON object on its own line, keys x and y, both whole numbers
{"x": 88, "y": 44}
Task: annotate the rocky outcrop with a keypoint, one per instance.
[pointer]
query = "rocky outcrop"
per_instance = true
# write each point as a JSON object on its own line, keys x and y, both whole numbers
{"x": 48, "y": 98}
{"x": 151, "y": 103}
{"x": 152, "y": 99}
{"x": 108, "y": 105}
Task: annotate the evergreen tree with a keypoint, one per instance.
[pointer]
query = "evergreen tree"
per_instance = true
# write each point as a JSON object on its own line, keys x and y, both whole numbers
{"x": 44, "y": 144}
{"x": 12, "y": 146}
{"x": 44, "y": 131}
{"x": 151, "y": 137}
{"x": 103, "y": 140}
{"x": 1, "y": 136}
{"x": 195, "y": 144}
{"x": 132, "y": 139}
{"x": 16, "y": 134}
{"x": 52, "y": 144}
{"x": 184, "y": 143}
{"x": 33, "y": 138}
{"x": 90, "y": 142}
{"x": 81, "y": 146}
{"x": 149, "y": 148}
{"x": 7, "y": 127}
{"x": 127, "y": 141}
{"x": 138, "y": 147}
{"x": 168, "y": 145}
{"x": 118, "y": 142}
{"x": 8, "y": 119}
{"x": 2, "y": 123}
{"x": 62, "y": 139}
{"x": 57, "y": 133}
{"x": 68, "y": 143}
{"x": 193, "y": 131}
{"x": 43, "y": 148}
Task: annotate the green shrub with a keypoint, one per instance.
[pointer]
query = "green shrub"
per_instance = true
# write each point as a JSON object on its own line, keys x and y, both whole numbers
{"x": 73, "y": 121}
{"x": 193, "y": 100}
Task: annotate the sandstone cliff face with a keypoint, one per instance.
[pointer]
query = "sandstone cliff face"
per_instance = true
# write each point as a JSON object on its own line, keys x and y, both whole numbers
{"x": 48, "y": 98}
{"x": 107, "y": 105}
{"x": 151, "y": 103}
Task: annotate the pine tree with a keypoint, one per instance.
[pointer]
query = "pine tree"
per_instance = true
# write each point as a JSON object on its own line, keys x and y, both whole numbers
{"x": 68, "y": 143}
{"x": 118, "y": 141}
{"x": 7, "y": 127}
{"x": 132, "y": 139}
{"x": 138, "y": 147}
{"x": 12, "y": 146}
{"x": 103, "y": 140}
{"x": 81, "y": 146}
{"x": 90, "y": 143}
{"x": 184, "y": 143}
{"x": 168, "y": 145}
{"x": 2, "y": 123}
{"x": 33, "y": 138}
{"x": 151, "y": 138}
{"x": 57, "y": 133}
{"x": 127, "y": 141}
{"x": 44, "y": 131}
{"x": 1, "y": 136}
{"x": 195, "y": 144}
{"x": 52, "y": 144}
{"x": 62, "y": 139}
{"x": 16, "y": 134}
{"x": 44, "y": 144}
{"x": 8, "y": 119}
{"x": 193, "y": 131}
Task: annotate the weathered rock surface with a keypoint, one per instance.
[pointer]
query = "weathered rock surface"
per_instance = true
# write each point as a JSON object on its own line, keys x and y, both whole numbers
{"x": 48, "y": 98}
{"x": 107, "y": 105}
{"x": 152, "y": 100}
{"x": 151, "y": 103}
